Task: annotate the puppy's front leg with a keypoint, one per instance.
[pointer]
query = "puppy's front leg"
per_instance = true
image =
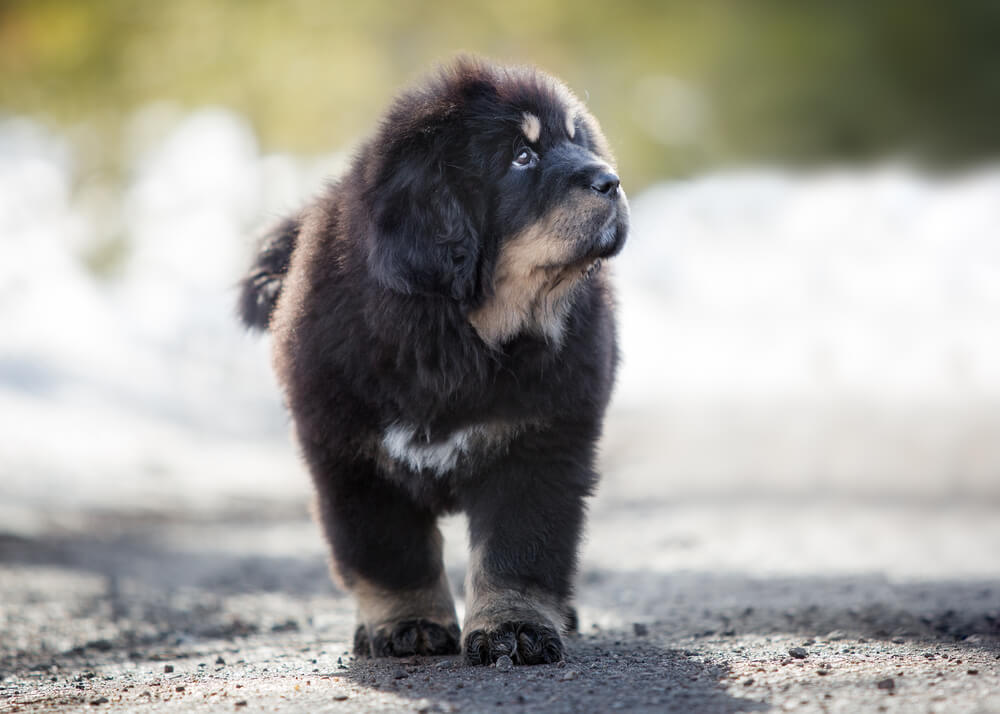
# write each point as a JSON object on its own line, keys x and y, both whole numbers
{"x": 402, "y": 622}
{"x": 525, "y": 518}
{"x": 387, "y": 551}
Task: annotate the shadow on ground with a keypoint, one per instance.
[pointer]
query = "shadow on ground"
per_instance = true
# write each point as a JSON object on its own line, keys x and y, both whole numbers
{"x": 599, "y": 674}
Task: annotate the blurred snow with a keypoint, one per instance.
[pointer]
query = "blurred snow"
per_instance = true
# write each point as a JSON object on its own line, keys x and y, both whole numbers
{"x": 884, "y": 284}
{"x": 141, "y": 390}
{"x": 764, "y": 316}
{"x": 808, "y": 333}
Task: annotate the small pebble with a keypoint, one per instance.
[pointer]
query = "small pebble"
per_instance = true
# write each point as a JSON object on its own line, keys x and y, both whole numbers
{"x": 798, "y": 652}
{"x": 219, "y": 660}
{"x": 179, "y": 688}
{"x": 640, "y": 629}
{"x": 973, "y": 671}
{"x": 505, "y": 663}
{"x": 888, "y": 684}
{"x": 168, "y": 668}
{"x": 340, "y": 696}
{"x": 570, "y": 675}
{"x": 99, "y": 701}
{"x": 241, "y": 703}
{"x": 443, "y": 664}
{"x": 286, "y": 626}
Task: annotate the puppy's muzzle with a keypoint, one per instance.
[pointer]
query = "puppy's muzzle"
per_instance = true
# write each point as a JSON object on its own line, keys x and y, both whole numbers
{"x": 611, "y": 236}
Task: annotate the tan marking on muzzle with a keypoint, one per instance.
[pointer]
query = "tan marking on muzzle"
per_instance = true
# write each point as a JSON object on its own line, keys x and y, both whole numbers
{"x": 533, "y": 279}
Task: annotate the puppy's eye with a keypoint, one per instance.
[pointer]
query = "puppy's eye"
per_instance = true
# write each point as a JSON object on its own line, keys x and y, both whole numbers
{"x": 524, "y": 158}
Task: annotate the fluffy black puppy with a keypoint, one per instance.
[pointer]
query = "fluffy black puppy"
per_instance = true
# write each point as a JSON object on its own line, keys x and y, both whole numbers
{"x": 445, "y": 342}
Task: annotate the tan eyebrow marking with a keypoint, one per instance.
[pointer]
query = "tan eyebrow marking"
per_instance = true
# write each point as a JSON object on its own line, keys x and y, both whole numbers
{"x": 571, "y": 125}
{"x": 532, "y": 127}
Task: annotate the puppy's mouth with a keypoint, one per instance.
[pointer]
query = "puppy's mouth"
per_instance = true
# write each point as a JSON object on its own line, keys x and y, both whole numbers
{"x": 590, "y": 270}
{"x": 611, "y": 237}
{"x": 608, "y": 242}
{"x": 593, "y": 244}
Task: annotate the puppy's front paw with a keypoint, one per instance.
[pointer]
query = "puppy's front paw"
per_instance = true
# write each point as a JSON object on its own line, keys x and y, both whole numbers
{"x": 523, "y": 642}
{"x": 405, "y": 638}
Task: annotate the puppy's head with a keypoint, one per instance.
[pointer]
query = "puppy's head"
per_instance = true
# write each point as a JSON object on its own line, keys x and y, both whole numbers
{"x": 493, "y": 187}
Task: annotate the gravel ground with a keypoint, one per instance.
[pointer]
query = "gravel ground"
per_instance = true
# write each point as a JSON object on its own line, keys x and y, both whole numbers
{"x": 832, "y": 605}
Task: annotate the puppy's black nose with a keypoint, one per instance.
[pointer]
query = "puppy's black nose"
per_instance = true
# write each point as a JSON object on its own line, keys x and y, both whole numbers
{"x": 606, "y": 183}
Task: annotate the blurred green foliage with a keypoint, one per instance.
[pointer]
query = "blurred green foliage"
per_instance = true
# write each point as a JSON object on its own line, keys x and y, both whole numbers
{"x": 678, "y": 85}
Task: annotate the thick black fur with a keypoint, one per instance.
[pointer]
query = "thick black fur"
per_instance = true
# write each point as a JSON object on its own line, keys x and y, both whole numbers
{"x": 377, "y": 279}
{"x": 260, "y": 289}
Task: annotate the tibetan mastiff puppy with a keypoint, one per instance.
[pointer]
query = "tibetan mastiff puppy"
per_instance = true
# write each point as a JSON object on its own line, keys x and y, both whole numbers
{"x": 445, "y": 341}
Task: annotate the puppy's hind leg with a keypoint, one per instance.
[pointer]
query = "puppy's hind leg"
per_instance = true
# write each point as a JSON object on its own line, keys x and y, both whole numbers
{"x": 387, "y": 552}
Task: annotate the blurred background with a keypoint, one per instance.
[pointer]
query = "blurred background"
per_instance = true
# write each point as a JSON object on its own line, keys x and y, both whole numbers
{"x": 809, "y": 300}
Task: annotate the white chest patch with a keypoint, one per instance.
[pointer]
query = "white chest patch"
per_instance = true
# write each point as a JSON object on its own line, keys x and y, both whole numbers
{"x": 402, "y": 444}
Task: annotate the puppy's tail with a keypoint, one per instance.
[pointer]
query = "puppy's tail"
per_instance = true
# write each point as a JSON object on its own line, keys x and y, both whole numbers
{"x": 260, "y": 289}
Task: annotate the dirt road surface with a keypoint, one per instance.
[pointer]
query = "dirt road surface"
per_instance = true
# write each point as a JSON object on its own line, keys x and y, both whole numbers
{"x": 723, "y": 604}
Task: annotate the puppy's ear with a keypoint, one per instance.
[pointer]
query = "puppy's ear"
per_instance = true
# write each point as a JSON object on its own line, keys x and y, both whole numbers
{"x": 426, "y": 238}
